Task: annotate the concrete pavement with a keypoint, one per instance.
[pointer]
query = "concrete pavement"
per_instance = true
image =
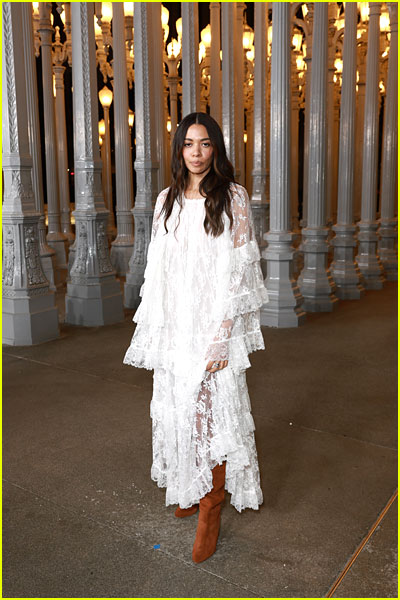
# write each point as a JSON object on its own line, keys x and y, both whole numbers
{"x": 83, "y": 519}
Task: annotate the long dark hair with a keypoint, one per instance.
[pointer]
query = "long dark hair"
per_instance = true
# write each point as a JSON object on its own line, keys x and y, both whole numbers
{"x": 215, "y": 184}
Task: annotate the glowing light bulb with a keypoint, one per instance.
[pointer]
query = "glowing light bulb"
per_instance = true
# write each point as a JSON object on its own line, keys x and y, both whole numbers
{"x": 102, "y": 127}
{"x": 206, "y": 36}
{"x": 178, "y": 26}
{"x": 164, "y": 15}
{"x": 105, "y": 97}
{"x": 128, "y": 9}
{"x": 106, "y": 12}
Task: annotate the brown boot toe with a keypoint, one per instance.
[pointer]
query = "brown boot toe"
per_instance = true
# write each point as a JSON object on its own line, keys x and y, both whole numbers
{"x": 186, "y": 512}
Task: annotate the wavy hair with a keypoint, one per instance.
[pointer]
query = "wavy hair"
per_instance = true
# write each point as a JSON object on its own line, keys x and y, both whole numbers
{"x": 215, "y": 184}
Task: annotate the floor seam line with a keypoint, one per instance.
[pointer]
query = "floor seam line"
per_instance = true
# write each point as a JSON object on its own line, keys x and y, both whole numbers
{"x": 132, "y": 385}
{"x": 334, "y": 587}
{"x": 70, "y": 370}
{"x": 325, "y": 431}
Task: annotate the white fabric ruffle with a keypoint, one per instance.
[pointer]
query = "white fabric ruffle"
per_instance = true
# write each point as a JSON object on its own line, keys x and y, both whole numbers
{"x": 200, "y": 301}
{"x": 187, "y": 474}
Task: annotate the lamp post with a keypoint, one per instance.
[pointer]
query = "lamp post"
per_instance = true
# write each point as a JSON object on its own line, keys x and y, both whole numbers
{"x": 387, "y": 230}
{"x": 106, "y": 98}
{"x": 122, "y": 246}
{"x": 55, "y": 237}
{"x": 101, "y": 54}
{"x": 367, "y": 258}
{"x": 215, "y": 66}
{"x": 204, "y": 66}
{"x": 128, "y": 20}
{"x": 102, "y": 132}
{"x": 172, "y": 59}
{"x": 59, "y": 57}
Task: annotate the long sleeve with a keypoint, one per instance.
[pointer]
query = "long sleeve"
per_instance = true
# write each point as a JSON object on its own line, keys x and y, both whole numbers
{"x": 239, "y": 333}
{"x": 157, "y": 219}
{"x": 157, "y": 212}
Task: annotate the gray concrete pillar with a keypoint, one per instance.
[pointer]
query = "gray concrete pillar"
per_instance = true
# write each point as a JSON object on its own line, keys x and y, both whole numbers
{"x": 331, "y": 189}
{"x": 307, "y": 102}
{"x": 258, "y": 199}
{"x": 28, "y": 305}
{"x": 388, "y": 222}
{"x": 215, "y": 62}
{"x": 283, "y": 308}
{"x": 146, "y": 164}
{"x": 107, "y": 179}
{"x": 47, "y": 254}
{"x": 229, "y": 84}
{"x": 160, "y": 99}
{"x": 190, "y": 58}
{"x": 59, "y": 57}
{"x": 239, "y": 91}
{"x": 359, "y": 132}
{"x": 367, "y": 257}
{"x": 93, "y": 293}
{"x": 345, "y": 272}
{"x": 294, "y": 145}
{"x": 122, "y": 246}
{"x": 335, "y": 151}
{"x": 55, "y": 237}
{"x": 314, "y": 280}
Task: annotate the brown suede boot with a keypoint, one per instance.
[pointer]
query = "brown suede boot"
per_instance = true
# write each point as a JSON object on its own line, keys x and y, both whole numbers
{"x": 186, "y": 512}
{"x": 210, "y": 517}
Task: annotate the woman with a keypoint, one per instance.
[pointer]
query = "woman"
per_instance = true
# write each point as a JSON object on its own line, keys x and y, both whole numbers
{"x": 196, "y": 324}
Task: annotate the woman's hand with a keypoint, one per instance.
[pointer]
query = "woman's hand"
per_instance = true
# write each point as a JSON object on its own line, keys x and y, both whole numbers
{"x": 212, "y": 365}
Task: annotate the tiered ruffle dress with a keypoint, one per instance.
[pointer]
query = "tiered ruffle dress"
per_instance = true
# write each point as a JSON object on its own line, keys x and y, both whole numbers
{"x": 200, "y": 301}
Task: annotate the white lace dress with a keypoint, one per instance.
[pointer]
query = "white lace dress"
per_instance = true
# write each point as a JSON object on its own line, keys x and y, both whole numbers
{"x": 200, "y": 301}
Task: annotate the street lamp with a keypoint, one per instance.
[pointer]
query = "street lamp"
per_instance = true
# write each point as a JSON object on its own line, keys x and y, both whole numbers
{"x": 206, "y": 36}
{"x": 172, "y": 58}
{"x": 164, "y": 22}
{"x": 106, "y": 12}
{"x": 364, "y": 10}
{"x": 106, "y": 98}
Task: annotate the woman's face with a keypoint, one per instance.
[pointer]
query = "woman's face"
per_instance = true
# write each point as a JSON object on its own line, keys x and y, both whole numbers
{"x": 197, "y": 150}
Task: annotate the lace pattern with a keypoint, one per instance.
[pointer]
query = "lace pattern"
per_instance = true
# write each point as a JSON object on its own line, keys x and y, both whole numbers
{"x": 246, "y": 292}
{"x": 200, "y": 301}
{"x": 194, "y": 432}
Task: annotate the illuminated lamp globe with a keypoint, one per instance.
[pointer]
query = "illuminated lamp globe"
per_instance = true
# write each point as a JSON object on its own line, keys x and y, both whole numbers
{"x": 97, "y": 28}
{"x": 106, "y": 12}
{"x": 164, "y": 16}
{"x": 248, "y": 37}
{"x": 102, "y": 128}
{"x": 105, "y": 97}
{"x": 178, "y": 26}
{"x": 206, "y": 36}
{"x": 128, "y": 9}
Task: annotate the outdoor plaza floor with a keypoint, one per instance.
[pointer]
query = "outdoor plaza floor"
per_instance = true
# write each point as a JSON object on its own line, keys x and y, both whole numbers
{"x": 82, "y": 518}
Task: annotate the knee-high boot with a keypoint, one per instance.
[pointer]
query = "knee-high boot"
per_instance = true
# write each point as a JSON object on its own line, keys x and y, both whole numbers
{"x": 210, "y": 517}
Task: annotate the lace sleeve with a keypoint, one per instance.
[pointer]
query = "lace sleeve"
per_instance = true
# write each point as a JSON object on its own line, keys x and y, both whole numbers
{"x": 157, "y": 219}
{"x": 243, "y": 226}
{"x": 157, "y": 212}
{"x": 246, "y": 293}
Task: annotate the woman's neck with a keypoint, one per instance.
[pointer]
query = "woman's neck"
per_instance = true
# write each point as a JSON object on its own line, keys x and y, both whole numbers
{"x": 193, "y": 184}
